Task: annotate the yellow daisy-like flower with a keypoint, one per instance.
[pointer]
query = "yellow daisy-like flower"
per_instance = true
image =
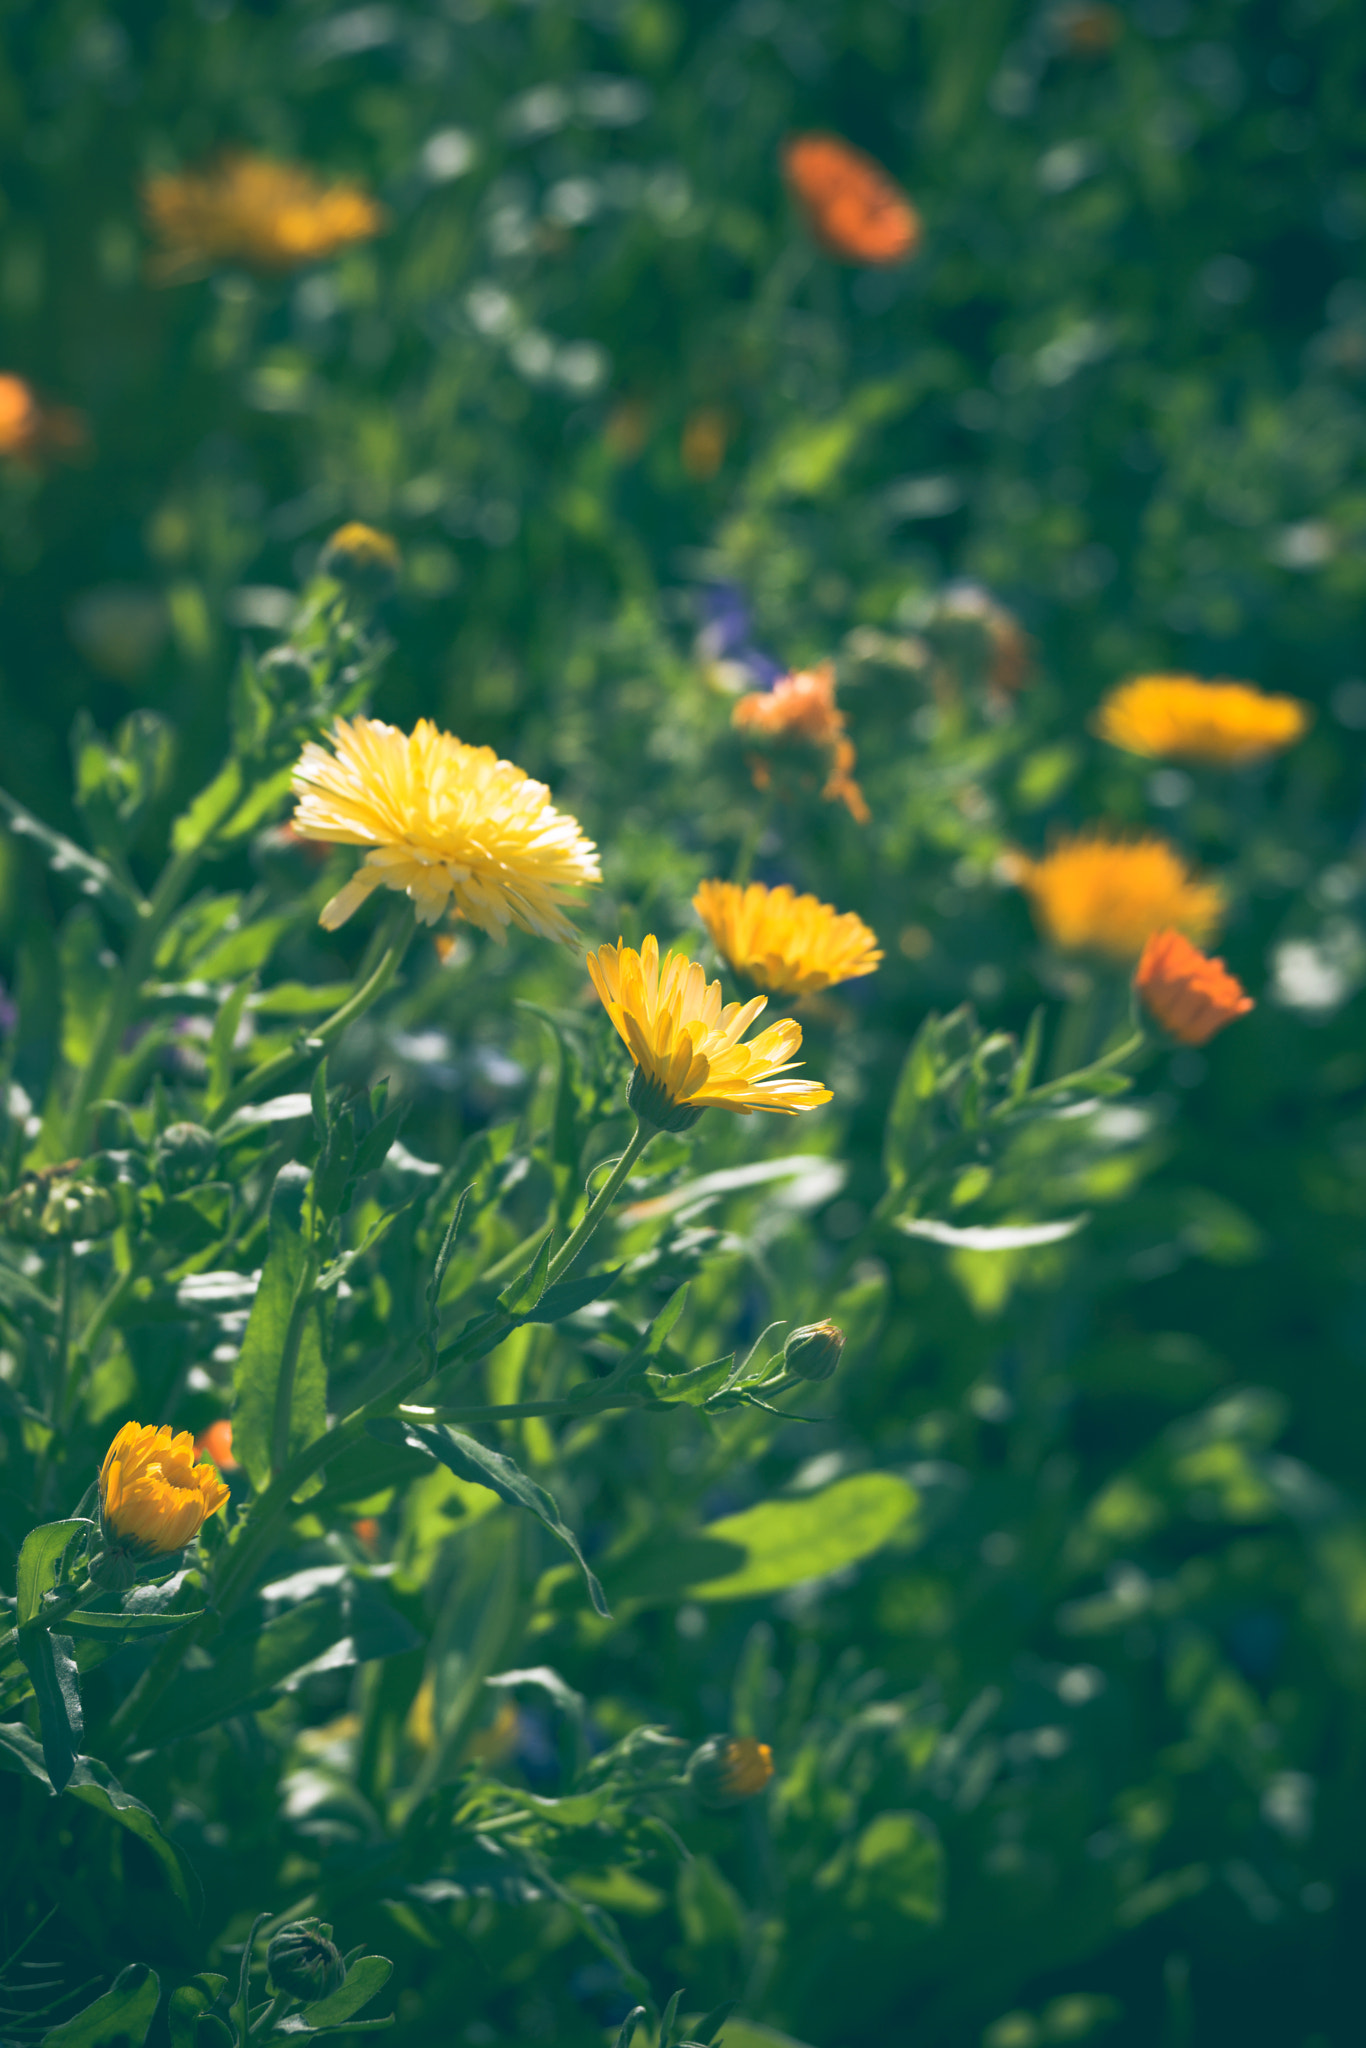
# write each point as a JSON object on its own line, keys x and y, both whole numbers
{"x": 1180, "y": 718}
{"x": 1093, "y": 893}
{"x": 251, "y": 209}
{"x": 152, "y": 1493}
{"x": 788, "y": 944}
{"x": 450, "y": 824}
{"x": 686, "y": 1046}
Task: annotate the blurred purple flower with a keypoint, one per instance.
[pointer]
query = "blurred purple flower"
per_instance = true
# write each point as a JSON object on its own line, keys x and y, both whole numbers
{"x": 723, "y": 640}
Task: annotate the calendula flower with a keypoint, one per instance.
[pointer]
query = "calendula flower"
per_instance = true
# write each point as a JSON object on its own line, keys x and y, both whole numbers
{"x": 687, "y": 1047}
{"x": 152, "y": 1493}
{"x": 29, "y": 429}
{"x": 449, "y": 824}
{"x": 800, "y": 711}
{"x": 1190, "y": 995}
{"x": 788, "y": 944}
{"x": 1106, "y": 895}
{"x": 728, "y": 1769}
{"x": 850, "y": 205}
{"x": 1181, "y": 718}
{"x": 253, "y": 210}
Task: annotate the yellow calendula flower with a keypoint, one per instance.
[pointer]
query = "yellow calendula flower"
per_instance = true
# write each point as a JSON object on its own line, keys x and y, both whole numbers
{"x": 728, "y": 1769}
{"x": 1180, "y": 718}
{"x": 363, "y": 556}
{"x": 788, "y": 944}
{"x": 152, "y": 1493}
{"x": 687, "y": 1048}
{"x": 1093, "y": 893}
{"x": 251, "y": 209}
{"x": 451, "y": 825}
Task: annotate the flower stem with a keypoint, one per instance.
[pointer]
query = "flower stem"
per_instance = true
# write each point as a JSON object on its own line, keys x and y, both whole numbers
{"x": 602, "y": 1201}
{"x": 266, "y": 1078}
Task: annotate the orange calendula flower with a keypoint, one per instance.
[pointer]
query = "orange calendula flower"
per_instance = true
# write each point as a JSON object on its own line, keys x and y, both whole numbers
{"x": 1181, "y": 718}
{"x": 152, "y": 1493}
{"x": 251, "y": 209}
{"x": 29, "y": 429}
{"x": 1190, "y": 995}
{"x": 800, "y": 710}
{"x": 851, "y": 206}
{"x": 451, "y": 825}
{"x": 1093, "y": 893}
{"x": 687, "y": 1047}
{"x": 788, "y": 944}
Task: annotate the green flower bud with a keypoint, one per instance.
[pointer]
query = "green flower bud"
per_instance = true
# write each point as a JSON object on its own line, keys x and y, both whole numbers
{"x": 728, "y": 1769}
{"x": 304, "y": 1961}
{"x": 813, "y": 1352}
{"x": 184, "y": 1154}
{"x": 59, "y": 1205}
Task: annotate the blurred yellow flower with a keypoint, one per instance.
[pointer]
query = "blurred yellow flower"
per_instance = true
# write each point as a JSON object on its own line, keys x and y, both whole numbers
{"x": 687, "y": 1048}
{"x": 152, "y": 1493}
{"x": 1181, "y": 718}
{"x": 362, "y": 555}
{"x": 728, "y": 1769}
{"x": 1105, "y": 895}
{"x": 788, "y": 944}
{"x": 253, "y": 210}
{"x": 449, "y": 824}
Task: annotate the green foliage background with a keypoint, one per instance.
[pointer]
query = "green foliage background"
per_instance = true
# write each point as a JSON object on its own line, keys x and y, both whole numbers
{"x": 1068, "y": 1697}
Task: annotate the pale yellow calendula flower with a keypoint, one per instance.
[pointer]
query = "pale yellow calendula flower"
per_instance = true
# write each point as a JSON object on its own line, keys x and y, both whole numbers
{"x": 687, "y": 1046}
{"x": 451, "y": 825}
{"x": 152, "y": 1493}
{"x": 788, "y": 944}
{"x": 1181, "y": 718}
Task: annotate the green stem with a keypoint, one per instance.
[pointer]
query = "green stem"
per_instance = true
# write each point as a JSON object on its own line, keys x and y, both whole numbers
{"x": 62, "y": 1353}
{"x": 265, "y": 1079}
{"x": 602, "y": 1201}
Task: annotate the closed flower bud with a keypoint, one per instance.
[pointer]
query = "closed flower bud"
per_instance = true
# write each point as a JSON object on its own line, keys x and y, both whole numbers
{"x": 728, "y": 1769}
{"x": 304, "y": 1961}
{"x": 59, "y": 1205}
{"x": 184, "y": 1154}
{"x": 814, "y": 1351}
{"x": 366, "y": 560}
{"x": 154, "y": 1498}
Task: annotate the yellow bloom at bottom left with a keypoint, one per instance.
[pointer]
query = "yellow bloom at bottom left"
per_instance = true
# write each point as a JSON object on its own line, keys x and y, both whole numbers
{"x": 152, "y": 1492}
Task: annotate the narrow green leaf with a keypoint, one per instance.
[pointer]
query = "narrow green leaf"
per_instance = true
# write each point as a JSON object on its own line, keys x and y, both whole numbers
{"x": 120, "y": 2019}
{"x": 198, "y": 824}
{"x": 96, "y": 1786}
{"x": 38, "y": 1561}
{"x": 706, "y": 2030}
{"x": 64, "y": 857}
{"x": 522, "y": 1294}
{"x": 221, "y": 1041}
{"x": 626, "y": 2030}
{"x": 667, "y": 2024}
{"x": 256, "y": 1379}
{"x": 97, "y": 1622}
{"x": 469, "y": 1459}
{"x": 51, "y": 1665}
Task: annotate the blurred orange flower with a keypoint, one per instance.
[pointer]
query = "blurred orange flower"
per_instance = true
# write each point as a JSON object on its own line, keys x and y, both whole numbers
{"x": 800, "y": 709}
{"x": 216, "y": 1442}
{"x": 1095, "y": 893}
{"x": 250, "y": 209}
{"x": 1190, "y": 995}
{"x": 29, "y": 430}
{"x": 1182, "y": 718}
{"x": 850, "y": 205}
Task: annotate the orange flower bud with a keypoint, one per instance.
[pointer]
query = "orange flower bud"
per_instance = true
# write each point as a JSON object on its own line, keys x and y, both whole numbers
{"x": 1190, "y": 995}
{"x": 851, "y": 206}
{"x": 216, "y": 1442}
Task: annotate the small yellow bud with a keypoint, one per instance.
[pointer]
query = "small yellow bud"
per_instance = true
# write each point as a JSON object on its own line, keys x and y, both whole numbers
{"x": 363, "y": 558}
{"x": 728, "y": 1769}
